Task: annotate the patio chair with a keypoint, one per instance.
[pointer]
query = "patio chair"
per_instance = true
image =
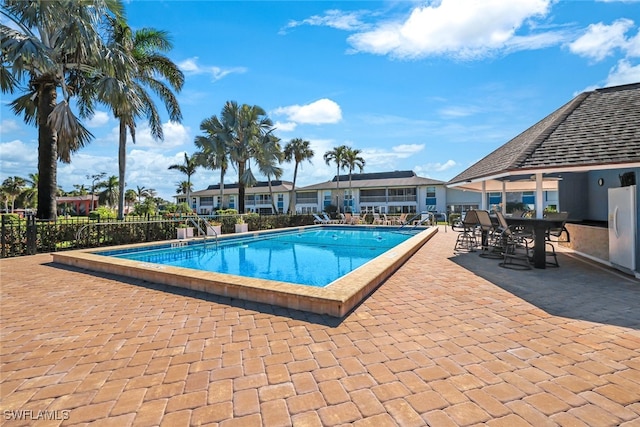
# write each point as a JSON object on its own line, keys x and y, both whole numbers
{"x": 466, "y": 240}
{"x": 554, "y": 234}
{"x": 517, "y": 245}
{"x": 492, "y": 246}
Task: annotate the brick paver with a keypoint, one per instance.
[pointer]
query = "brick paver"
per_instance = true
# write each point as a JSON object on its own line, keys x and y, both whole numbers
{"x": 446, "y": 340}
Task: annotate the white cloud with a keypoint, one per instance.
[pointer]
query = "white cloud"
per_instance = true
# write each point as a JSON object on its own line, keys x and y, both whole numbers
{"x": 406, "y": 150}
{"x": 175, "y": 135}
{"x": 348, "y": 21}
{"x": 633, "y": 46}
{"x": 623, "y": 73}
{"x": 601, "y": 40}
{"x": 460, "y": 28}
{"x": 435, "y": 167}
{"x": 191, "y": 66}
{"x": 285, "y": 126}
{"x": 318, "y": 112}
{"x": 100, "y": 118}
{"x": 8, "y": 126}
{"x": 18, "y": 158}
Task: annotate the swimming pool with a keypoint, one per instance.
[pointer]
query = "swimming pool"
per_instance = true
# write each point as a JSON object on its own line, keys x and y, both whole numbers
{"x": 314, "y": 257}
{"x": 336, "y": 299}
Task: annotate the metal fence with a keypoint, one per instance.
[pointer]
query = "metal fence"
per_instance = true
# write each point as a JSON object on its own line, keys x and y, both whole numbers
{"x": 28, "y": 236}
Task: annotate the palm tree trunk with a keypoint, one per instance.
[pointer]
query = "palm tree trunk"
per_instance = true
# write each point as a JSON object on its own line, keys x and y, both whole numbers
{"x": 189, "y": 191}
{"x": 338, "y": 187}
{"x": 47, "y": 150}
{"x": 122, "y": 165}
{"x": 221, "y": 188}
{"x": 273, "y": 202}
{"x": 292, "y": 205}
{"x": 241, "y": 169}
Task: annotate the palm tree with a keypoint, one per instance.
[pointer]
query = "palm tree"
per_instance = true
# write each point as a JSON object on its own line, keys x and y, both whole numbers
{"x": 350, "y": 161}
{"x": 184, "y": 187}
{"x": 337, "y": 156}
{"x": 30, "y": 194}
{"x": 213, "y": 152}
{"x": 12, "y": 187}
{"x": 188, "y": 168}
{"x": 245, "y": 129}
{"x": 109, "y": 195}
{"x": 145, "y": 47}
{"x": 142, "y": 192}
{"x": 130, "y": 197}
{"x": 56, "y": 45}
{"x": 298, "y": 150}
{"x": 80, "y": 190}
{"x": 268, "y": 157}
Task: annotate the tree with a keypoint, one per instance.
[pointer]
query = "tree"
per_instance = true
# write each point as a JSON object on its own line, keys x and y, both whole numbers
{"x": 184, "y": 187}
{"x": 145, "y": 47}
{"x": 350, "y": 161}
{"x": 143, "y": 192}
{"x": 12, "y": 187}
{"x": 336, "y": 156}
{"x": 268, "y": 156}
{"x": 56, "y": 45}
{"x": 30, "y": 194}
{"x": 297, "y": 150}
{"x": 130, "y": 197}
{"x": 245, "y": 128}
{"x": 109, "y": 194}
{"x": 188, "y": 168}
{"x": 95, "y": 178}
{"x": 213, "y": 153}
{"x": 80, "y": 190}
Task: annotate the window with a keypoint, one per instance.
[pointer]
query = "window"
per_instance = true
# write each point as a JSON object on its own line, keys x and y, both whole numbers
{"x": 495, "y": 198}
{"x": 327, "y": 198}
{"x": 431, "y": 200}
{"x": 280, "y": 202}
{"x": 529, "y": 198}
{"x": 206, "y": 201}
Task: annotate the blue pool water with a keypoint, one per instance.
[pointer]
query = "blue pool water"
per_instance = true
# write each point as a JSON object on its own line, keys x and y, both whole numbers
{"x": 314, "y": 257}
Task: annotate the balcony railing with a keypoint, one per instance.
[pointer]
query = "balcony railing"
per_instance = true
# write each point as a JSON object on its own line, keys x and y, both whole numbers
{"x": 404, "y": 198}
{"x": 368, "y": 199}
{"x": 307, "y": 200}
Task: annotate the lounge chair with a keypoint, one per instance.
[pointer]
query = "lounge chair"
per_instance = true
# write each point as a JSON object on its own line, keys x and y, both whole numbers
{"x": 329, "y": 220}
{"x": 318, "y": 220}
{"x": 401, "y": 220}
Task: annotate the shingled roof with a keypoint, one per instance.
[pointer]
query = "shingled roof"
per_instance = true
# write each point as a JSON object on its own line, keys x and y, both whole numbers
{"x": 595, "y": 129}
{"x": 375, "y": 180}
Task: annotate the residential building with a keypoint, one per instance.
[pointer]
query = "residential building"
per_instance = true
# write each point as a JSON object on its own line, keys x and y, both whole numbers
{"x": 383, "y": 192}
{"x": 257, "y": 198}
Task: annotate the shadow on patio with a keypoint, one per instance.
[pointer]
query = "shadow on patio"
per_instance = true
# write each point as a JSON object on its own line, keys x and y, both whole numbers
{"x": 579, "y": 289}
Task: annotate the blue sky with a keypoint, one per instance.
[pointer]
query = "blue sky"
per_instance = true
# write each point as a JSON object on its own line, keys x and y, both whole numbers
{"x": 427, "y": 86}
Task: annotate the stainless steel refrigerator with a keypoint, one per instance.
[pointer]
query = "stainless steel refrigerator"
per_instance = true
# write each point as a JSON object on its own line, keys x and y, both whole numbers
{"x": 623, "y": 213}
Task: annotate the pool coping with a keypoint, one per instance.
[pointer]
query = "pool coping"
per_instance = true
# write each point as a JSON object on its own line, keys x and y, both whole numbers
{"x": 336, "y": 299}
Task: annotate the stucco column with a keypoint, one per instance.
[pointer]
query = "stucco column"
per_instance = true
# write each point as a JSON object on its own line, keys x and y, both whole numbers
{"x": 539, "y": 196}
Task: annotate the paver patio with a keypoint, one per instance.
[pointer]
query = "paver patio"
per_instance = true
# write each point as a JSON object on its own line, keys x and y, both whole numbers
{"x": 448, "y": 340}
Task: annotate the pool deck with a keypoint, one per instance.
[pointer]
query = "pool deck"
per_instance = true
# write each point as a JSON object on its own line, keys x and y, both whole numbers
{"x": 448, "y": 340}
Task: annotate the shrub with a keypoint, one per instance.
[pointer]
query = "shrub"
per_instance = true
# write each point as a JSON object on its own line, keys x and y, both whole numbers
{"x": 102, "y": 213}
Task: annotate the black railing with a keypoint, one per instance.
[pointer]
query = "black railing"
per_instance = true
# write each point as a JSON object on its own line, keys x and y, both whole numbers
{"x": 28, "y": 236}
